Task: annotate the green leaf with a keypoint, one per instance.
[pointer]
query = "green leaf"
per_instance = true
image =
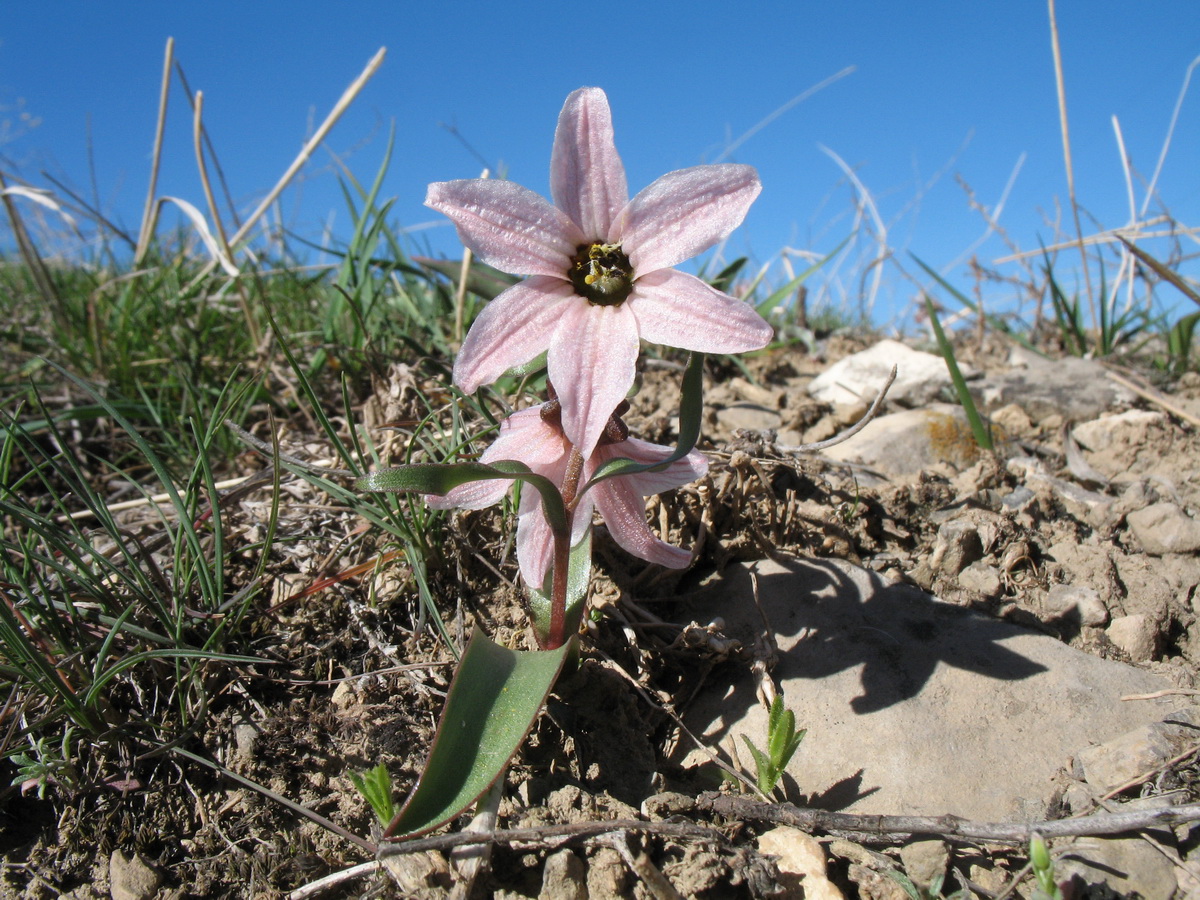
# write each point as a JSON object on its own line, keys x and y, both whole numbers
{"x": 376, "y": 787}
{"x": 482, "y": 279}
{"x": 1179, "y": 340}
{"x": 995, "y": 321}
{"x": 765, "y": 775}
{"x": 978, "y": 429}
{"x": 691, "y": 410}
{"x": 725, "y": 277}
{"x": 441, "y": 478}
{"x": 579, "y": 577}
{"x": 496, "y": 696}
{"x": 776, "y": 714}
{"x": 780, "y": 732}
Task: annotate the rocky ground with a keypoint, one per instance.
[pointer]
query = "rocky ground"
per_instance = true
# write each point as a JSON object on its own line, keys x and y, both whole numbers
{"x": 1052, "y": 676}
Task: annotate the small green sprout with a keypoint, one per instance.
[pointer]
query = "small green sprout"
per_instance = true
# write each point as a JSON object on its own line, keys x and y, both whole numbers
{"x": 782, "y": 742}
{"x": 45, "y": 765}
{"x": 1043, "y": 870}
{"x": 376, "y": 786}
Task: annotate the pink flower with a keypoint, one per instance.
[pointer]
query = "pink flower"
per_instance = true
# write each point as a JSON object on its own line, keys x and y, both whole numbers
{"x": 599, "y": 266}
{"x": 537, "y": 440}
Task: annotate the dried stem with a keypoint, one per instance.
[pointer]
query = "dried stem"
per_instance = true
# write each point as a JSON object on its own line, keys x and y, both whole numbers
{"x": 890, "y": 828}
{"x": 218, "y": 227}
{"x": 150, "y": 211}
{"x": 552, "y": 835}
{"x": 1066, "y": 141}
{"x": 306, "y": 151}
{"x": 853, "y": 429}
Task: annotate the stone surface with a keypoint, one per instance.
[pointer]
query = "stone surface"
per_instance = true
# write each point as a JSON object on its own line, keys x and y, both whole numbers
{"x": 801, "y": 863}
{"x": 130, "y": 878}
{"x": 1075, "y": 603}
{"x": 607, "y": 874}
{"x": 1136, "y": 634}
{"x": 905, "y": 443}
{"x": 1140, "y": 750}
{"x": 422, "y": 876}
{"x": 748, "y": 417}
{"x": 1125, "y": 865}
{"x": 912, "y": 706}
{"x": 564, "y": 877}
{"x": 983, "y": 578}
{"x": 1164, "y": 528}
{"x": 1073, "y": 388}
{"x": 1127, "y": 428}
{"x": 920, "y": 377}
{"x": 924, "y": 861}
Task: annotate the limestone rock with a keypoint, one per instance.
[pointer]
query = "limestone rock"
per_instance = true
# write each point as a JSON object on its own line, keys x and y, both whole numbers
{"x": 1124, "y": 428}
{"x": 748, "y": 417}
{"x": 1130, "y": 866}
{"x": 912, "y": 705}
{"x": 1071, "y": 388}
{"x": 131, "y": 878}
{"x": 607, "y": 874}
{"x": 1075, "y": 603}
{"x": 422, "y": 876}
{"x": 1136, "y": 634}
{"x": 1138, "y": 751}
{"x": 925, "y": 860}
{"x": 563, "y": 877}
{"x": 801, "y": 863}
{"x": 983, "y": 578}
{"x": 907, "y": 442}
{"x": 919, "y": 376}
{"x": 1165, "y": 528}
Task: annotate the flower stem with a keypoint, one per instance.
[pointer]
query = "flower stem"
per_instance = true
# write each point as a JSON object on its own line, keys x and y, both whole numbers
{"x": 562, "y": 553}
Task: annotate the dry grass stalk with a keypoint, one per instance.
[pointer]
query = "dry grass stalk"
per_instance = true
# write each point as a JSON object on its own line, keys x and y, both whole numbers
{"x": 150, "y": 211}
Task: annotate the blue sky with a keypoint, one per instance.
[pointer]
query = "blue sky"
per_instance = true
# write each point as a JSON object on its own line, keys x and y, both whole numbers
{"x": 941, "y": 94}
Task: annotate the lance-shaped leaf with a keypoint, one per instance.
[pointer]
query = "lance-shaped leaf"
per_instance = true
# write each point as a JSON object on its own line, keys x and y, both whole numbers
{"x": 441, "y": 478}
{"x": 493, "y": 702}
{"x": 482, "y": 280}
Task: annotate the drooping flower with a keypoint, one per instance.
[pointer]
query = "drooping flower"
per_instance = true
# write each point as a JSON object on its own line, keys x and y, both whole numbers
{"x": 600, "y": 268}
{"x": 535, "y": 437}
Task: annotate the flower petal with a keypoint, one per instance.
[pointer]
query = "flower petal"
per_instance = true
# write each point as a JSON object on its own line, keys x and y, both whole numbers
{"x": 525, "y": 437}
{"x": 684, "y": 213}
{"x": 514, "y": 328}
{"x": 472, "y": 495}
{"x": 535, "y": 547}
{"x": 592, "y": 363}
{"x": 679, "y": 310}
{"x": 587, "y": 179}
{"x": 624, "y": 512}
{"x": 508, "y": 226}
{"x": 680, "y": 472}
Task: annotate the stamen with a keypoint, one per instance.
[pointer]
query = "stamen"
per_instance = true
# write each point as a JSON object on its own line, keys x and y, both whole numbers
{"x": 601, "y": 274}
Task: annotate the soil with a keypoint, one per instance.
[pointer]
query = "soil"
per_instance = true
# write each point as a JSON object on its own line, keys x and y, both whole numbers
{"x": 354, "y": 676}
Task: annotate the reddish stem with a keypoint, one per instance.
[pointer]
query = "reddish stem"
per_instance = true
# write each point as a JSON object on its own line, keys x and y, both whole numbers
{"x": 562, "y": 554}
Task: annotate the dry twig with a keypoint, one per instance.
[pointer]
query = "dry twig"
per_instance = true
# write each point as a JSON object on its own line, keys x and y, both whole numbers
{"x": 885, "y": 829}
{"x": 853, "y": 429}
{"x": 552, "y": 836}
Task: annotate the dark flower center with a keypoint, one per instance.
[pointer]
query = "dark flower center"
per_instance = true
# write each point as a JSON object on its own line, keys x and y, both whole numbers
{"x": 601, "y": 274}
